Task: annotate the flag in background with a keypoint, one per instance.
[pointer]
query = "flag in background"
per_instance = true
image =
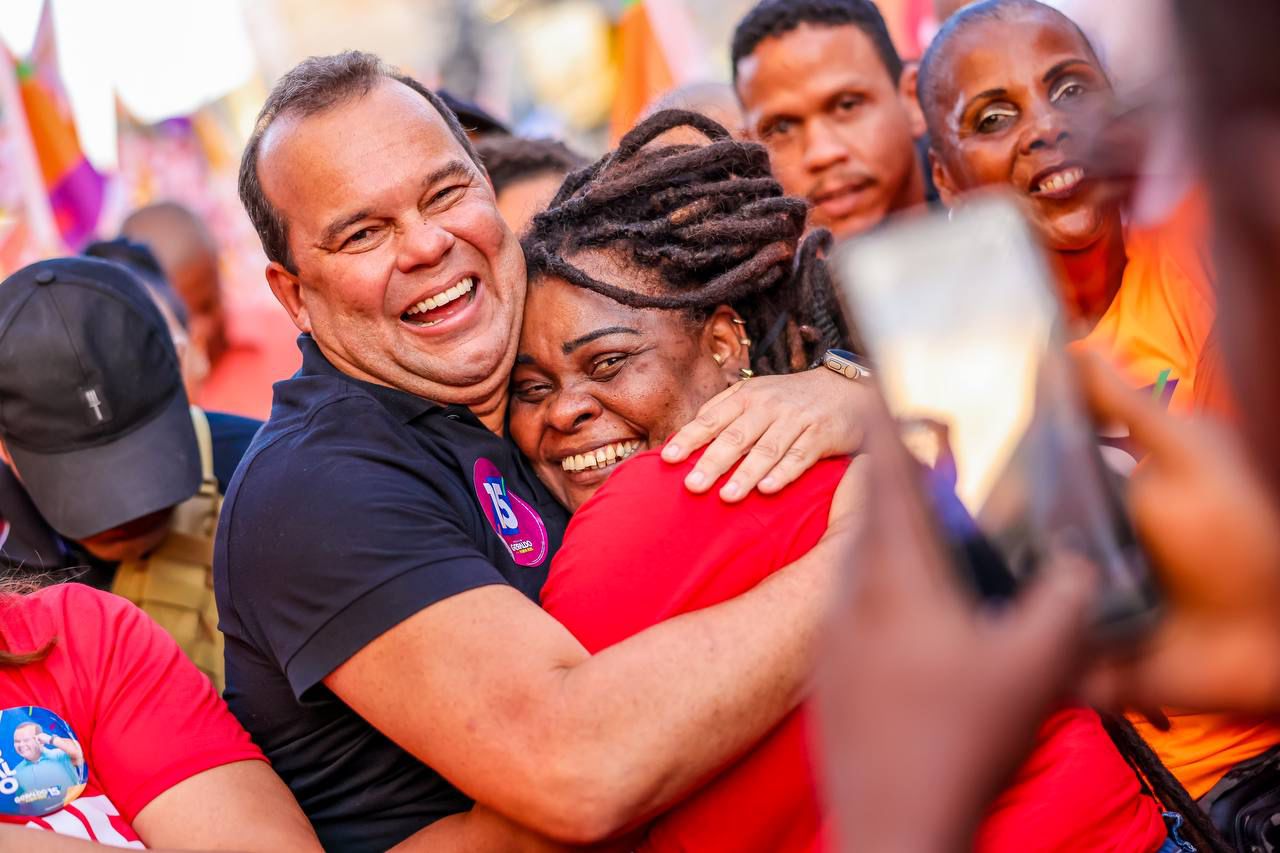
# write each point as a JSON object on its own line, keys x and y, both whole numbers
{"x": 74, "y": 187}
{"x": 27, "y": 231}
{"x": 658, "y": 49}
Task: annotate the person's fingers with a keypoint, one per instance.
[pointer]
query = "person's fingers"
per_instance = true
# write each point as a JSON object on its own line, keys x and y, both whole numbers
{"x": 782, "y": 442}
{"x": 739, "y": 435}
{"x": 712, "y": 417}
{"x": 1112, "y": 400}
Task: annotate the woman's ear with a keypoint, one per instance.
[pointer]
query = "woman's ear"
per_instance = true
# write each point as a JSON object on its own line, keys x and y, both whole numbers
{"x": 942, "y": 180}
{"x": 725, "y": 341}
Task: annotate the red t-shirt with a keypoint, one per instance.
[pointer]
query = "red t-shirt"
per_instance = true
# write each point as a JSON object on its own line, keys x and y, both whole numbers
{"x": 644, "y": 549}
{"x": 145, "y": 717}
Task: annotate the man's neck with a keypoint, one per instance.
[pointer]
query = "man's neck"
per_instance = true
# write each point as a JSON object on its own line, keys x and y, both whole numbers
{"x": 1093, "y": 276}
{"x": 492, "y": 411}
{"x": 912, "y": 193}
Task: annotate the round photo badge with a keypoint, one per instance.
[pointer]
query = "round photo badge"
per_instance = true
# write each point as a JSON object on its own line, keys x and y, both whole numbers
{"x": 42, "y": 765}
{"x": 516, "y": 523}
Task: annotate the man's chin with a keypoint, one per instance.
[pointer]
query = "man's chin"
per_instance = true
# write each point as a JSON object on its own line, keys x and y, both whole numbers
{"x": 848, "y": 226}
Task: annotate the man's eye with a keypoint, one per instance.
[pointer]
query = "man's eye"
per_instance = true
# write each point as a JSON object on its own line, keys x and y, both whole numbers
{"x": 849, "y": 102}
{"x": 358, "y": 238}
{"x": 781, "y": 127}
{"x": 448, "y": 193}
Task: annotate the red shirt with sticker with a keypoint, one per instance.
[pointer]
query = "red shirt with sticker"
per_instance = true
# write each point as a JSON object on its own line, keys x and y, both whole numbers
{"x": 644, "y": 549}
{"x": 145, "y": 717}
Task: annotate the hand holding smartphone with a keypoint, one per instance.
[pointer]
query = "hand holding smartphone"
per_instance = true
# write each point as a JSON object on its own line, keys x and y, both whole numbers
{"x": 966, "y": 331}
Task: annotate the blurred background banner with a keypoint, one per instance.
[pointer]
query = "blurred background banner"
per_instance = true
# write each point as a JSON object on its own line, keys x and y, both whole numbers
{"x": 27, "y": 230}
{"x": 107, "y": 107}
{"x": 75, "y": 188}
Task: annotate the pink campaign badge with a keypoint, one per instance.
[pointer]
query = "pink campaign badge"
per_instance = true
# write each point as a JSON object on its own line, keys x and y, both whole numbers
{"x": 516, "y": 523}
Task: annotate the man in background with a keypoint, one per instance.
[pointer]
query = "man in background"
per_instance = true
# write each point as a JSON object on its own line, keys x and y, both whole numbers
{"x": 823, "y": 88}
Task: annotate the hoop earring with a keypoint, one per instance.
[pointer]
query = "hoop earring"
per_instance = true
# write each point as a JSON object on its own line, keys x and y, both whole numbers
{"x": 718, "y": 359}
{"x": 745, "y": 373}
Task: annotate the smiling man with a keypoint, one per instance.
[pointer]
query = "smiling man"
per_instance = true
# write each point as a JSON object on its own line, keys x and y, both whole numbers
{"x": 383, "y": 545}
{"x": 823, "y": 88}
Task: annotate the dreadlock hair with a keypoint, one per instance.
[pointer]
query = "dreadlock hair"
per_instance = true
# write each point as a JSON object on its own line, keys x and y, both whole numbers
{"x": 1156, "y": 780}
{"x": 714, "y": 224}
{"x": 511, "y": 159}
{"x": 773, "y": 18}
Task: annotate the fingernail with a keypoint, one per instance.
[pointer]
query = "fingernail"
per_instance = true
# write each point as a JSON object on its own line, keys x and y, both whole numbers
{"x": 767, "y": 484}
{"x": 731, "y": 491}
{"x": 695, "y": 480}
{"x": 671, "y": 452}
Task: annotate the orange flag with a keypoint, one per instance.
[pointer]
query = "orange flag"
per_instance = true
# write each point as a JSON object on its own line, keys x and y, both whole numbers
{"x": 658, "y": 49}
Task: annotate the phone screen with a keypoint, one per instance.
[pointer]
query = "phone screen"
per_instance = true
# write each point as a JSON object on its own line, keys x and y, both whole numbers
{"x": 967, "y": 338}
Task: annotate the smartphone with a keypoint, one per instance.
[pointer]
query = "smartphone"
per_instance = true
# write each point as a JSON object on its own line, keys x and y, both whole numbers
{"x": 963, "y": 324}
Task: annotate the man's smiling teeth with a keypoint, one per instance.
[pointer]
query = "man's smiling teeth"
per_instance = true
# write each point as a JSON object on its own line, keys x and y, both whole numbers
{"x": 601, "y": 457}
{"x": 1059, "y": 181}
{"x": 440, "y": 300}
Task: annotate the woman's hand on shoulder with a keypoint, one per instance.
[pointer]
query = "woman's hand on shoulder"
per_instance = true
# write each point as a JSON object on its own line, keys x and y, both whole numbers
{"x": 782, "y": 425}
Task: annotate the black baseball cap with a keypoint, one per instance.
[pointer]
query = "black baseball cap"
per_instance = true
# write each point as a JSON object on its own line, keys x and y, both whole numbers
{"x": 92, "y": 408}
{"x": 473, "y": 117}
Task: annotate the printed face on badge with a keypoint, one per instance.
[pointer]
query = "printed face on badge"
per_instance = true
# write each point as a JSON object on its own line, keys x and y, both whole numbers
{"x": 42, "y": 765}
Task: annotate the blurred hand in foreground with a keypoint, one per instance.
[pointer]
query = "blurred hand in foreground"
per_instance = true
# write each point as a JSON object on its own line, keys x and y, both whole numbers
{"x": 928, "y": 704}
{"x": 1213, "y": 533}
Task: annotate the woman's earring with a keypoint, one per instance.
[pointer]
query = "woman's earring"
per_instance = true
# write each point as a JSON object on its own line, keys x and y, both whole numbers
{"x": 719, "y": 359}
{"x": 746, "y": 373}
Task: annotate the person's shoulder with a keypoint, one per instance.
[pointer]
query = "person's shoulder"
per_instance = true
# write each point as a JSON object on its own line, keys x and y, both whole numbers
{"x": 69, "y": 610}
{"x": 76, "y": 601}
{"x": 338, "y": 428}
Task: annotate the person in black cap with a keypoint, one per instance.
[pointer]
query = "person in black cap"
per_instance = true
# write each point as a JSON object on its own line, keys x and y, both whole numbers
{"x": 101, "y": 446}
{"x": 478, "y": 122}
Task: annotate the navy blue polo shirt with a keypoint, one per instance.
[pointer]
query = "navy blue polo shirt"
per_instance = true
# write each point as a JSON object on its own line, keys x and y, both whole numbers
{"x": 356, "y": 506}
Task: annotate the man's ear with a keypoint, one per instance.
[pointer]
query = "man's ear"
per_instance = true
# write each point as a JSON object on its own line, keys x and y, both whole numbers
{"x": 908, "y": 90}
{"x": 724, "y": 339}
{"x": 942, "y": 180}
{"x": 288, "y": 292}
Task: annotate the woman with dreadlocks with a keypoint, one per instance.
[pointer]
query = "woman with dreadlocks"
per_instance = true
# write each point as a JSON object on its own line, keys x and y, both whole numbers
{"x": 658, "y": 278}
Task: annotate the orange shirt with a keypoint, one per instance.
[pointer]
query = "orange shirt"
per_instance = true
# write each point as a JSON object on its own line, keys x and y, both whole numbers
{"x": 1159, "y": 320}
{"x": 1157, "y": 331}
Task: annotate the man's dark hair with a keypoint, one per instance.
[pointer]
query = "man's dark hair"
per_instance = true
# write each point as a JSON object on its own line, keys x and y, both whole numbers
{"x": 772, "y": 18}
{"x": 510, "y": 159}
{"x": 314, "y": 85}
{"x": 713, "y": 222}
{"x": 929, "y": 83}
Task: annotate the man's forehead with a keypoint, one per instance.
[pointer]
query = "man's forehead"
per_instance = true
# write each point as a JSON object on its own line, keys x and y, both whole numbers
{"x": 805, "y": 60}
{"x": 329, "y": 154}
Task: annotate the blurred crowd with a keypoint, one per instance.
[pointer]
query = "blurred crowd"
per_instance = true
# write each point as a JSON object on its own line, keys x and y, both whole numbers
{"x": 425, "y": 605}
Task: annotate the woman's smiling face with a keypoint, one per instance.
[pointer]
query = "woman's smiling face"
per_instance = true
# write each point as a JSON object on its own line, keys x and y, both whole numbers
{"x": 596, "y": 381}
{"x": 1013, "y": 101}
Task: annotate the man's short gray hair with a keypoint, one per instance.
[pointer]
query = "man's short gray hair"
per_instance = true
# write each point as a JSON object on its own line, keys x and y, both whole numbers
{"x": 314, "y": 85}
